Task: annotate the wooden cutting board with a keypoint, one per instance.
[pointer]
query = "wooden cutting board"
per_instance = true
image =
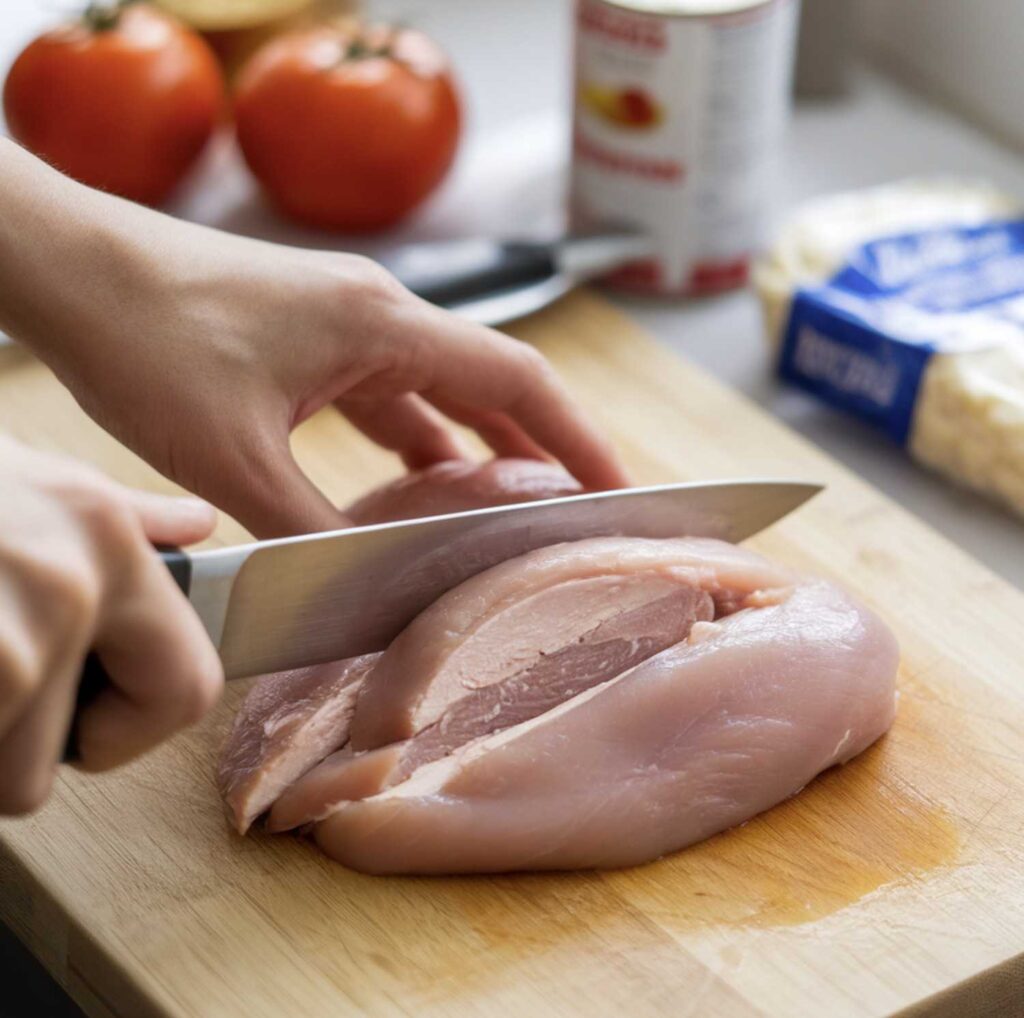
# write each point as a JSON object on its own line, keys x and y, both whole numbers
{"x": 894, "y": 883}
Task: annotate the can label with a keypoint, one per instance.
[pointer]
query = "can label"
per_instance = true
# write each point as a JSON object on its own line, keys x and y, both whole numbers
{"x": 676, "y": 127}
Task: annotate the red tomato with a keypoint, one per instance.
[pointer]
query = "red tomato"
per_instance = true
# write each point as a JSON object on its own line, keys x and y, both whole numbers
{"x": 348, "y": 128}
{"x": 122, "y": 99}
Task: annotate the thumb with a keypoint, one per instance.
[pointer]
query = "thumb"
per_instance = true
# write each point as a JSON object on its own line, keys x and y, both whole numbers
{"x": 267, "y": 492}
{"x": 169, "y": 519}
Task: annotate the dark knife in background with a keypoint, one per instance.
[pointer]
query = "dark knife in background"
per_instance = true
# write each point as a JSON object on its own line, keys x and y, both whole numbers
{"x": 494, "y": 281}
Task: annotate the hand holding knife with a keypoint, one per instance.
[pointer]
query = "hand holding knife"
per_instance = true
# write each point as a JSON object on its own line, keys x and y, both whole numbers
{"x": 281, "y": 604}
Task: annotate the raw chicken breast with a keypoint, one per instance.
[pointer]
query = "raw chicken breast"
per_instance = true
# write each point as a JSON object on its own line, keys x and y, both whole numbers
{"x": 287, "y": 724}
{"x": 590, "y": 704}
{"x": 697, "y": 739}
{"x": 506, "y": 618}
{"x": 459, "y": 485}
{"x": 648, "y": 615}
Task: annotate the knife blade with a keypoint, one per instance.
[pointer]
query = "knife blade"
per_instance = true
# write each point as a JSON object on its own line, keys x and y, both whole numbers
{"x": 494, "y": 281}
{"x": 297, "y": 601}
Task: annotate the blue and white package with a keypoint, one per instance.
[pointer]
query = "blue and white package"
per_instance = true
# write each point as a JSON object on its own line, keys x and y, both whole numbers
{"x": 862, "y": 340}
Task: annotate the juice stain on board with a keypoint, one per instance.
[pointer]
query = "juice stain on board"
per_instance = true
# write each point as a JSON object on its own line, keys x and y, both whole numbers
{"x": 852, "y": 830}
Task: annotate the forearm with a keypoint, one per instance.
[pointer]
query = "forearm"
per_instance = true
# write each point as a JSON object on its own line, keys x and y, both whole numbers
{"x": 59, "y": 243}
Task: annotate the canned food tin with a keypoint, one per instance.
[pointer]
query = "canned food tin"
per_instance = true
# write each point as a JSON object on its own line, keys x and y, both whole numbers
{"x": 679, "y": 108}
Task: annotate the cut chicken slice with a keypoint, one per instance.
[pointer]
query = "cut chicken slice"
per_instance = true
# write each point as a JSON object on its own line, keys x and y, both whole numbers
{"x": 503, "y": 621}
{"x": 343, "y": 777}
{"x": 697, "y": 739}
{"x": 292, "y": 720}
{"x": 596, "y": 655}
{"x": 459, "y": 485}
{"x": 287, "y": 724}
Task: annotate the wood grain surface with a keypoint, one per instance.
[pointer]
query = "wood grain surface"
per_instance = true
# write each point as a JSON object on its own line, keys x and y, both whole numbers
{"x": 892, "y": 883}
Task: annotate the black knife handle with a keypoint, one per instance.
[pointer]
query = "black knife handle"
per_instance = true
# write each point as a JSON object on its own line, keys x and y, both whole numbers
{"x": 512, "y": 265}
{"x": 94, "y": 679}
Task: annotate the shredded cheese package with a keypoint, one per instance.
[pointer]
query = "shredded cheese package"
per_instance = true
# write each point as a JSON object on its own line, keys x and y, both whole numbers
{"x": 904, "y": 304}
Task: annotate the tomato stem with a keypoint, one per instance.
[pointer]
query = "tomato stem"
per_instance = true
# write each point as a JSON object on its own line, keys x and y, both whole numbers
{"x": 103, "y": 15}
{"x": 359, "y": 48}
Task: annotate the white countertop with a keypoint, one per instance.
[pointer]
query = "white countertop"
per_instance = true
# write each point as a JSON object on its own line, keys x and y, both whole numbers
{"x": 513, "y": 59}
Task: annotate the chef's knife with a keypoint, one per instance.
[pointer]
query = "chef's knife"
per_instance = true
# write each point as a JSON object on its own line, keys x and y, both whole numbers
{"x": 295, "y": 601}
{"x": 494, "y": 281}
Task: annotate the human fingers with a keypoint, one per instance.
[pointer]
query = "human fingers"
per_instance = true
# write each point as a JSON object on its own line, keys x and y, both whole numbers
{"x": 502, "y": 434}
{"x": 169, "y": 519}
{"x": 407, "y": 425}
{"x": 478, "y": 368}
{"x": 163, "y": 672}
{"x": 32, "y": 747}
{"x": 253, "y": 476}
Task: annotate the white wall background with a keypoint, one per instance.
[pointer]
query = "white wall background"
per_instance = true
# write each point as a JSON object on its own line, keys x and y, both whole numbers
{"x": 968, "y": 53}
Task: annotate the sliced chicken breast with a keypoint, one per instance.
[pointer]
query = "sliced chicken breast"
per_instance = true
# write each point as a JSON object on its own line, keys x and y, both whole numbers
{"x": 535, "y": 684}
{"x": 592, "y": 704}
{"x": 696, "y": 739}
{"x": 506, "y": 619}
{"x": 459, "y": 485}
{"x": 287, "y": 724}
{"x": 290, "y": 721}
